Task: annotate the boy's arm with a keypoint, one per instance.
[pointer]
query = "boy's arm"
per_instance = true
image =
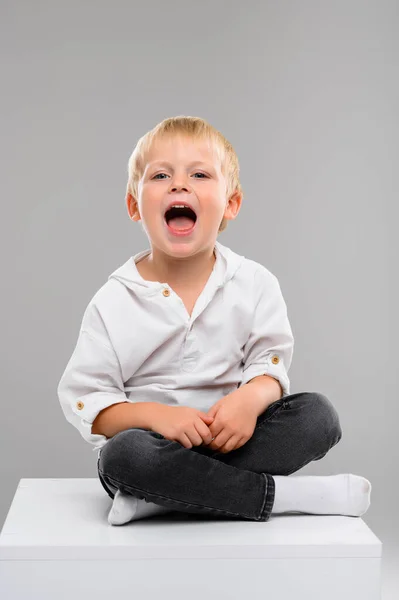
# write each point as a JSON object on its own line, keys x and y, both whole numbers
{"x": 93, "y": 381}
{"x": 124, "y": 415}
{"x": 269, "y": 348}
{"x": 266, "y": 390}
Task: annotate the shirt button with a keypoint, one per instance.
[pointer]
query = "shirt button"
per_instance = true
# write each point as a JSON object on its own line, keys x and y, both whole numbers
{"x": 80, "y": 405}
{"x": 166, "y": 292}
{"x": 275, "y": 359}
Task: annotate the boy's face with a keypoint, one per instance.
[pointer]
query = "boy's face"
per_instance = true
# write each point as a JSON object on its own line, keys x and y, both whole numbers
{"x": 191, "y": 173}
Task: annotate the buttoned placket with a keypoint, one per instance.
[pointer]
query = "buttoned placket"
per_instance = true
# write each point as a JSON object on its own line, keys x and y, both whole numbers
{"x": 190, "y": 351}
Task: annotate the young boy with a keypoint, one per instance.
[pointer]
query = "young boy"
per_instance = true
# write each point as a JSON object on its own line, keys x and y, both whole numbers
{"x": 187, "y": 346}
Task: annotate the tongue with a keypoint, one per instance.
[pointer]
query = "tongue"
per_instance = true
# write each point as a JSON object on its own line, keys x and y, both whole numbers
{"x": 181, "y": 223}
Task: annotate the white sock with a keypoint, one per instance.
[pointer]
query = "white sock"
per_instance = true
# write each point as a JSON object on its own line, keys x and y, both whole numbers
{"x": 345, "y": 494}
{"x": 127, "y": 508}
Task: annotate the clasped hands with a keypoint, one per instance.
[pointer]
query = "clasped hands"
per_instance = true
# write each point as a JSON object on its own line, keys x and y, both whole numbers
{"x": 234, "y": 421}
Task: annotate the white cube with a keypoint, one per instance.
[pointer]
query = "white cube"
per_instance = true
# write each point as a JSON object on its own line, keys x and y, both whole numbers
{"x": 56, "y": 543}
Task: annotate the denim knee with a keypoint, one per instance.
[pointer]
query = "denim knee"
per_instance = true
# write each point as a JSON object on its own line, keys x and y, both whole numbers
{"x": 133, "y": 452}
{"x": 327, "y": 418}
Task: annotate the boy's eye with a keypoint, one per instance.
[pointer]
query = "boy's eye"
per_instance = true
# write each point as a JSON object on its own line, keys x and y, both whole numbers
{"x": 197, "y": 173}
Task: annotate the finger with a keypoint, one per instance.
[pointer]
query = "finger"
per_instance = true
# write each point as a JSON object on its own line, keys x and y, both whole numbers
{"x": 220, "y": 440}
{"x": 203, "y": 431}
{"x": 216, "y": 431}
{"x": 240, "y": 443}
{"x": 195, "y": 436}
{"x": 186, "y": 442}
{"x": 229, "y": 445}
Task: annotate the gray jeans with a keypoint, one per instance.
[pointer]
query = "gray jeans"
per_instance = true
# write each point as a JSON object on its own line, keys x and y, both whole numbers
{"x": 289, "y": 434}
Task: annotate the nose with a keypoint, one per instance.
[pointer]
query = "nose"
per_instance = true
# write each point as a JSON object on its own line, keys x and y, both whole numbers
{"x": 174, "y": 188}
{"x": 179, "y": 186}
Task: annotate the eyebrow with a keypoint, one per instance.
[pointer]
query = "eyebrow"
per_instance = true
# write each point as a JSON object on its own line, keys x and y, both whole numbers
{"x": 168, "y": 164}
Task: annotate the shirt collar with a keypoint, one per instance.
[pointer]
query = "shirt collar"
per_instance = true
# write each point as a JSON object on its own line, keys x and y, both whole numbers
{"x": 226, "y": 264}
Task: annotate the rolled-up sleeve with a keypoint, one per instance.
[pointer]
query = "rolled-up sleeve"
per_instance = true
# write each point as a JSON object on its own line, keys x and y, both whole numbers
{"x": 270, "y": 346}
{"x": 91, "y": 382}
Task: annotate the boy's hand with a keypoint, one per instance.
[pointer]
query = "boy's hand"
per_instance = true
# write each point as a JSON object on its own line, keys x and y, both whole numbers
{"x": 234, "y": 421}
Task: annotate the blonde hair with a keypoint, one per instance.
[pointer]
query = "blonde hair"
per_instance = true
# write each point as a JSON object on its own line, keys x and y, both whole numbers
{"x": 198, "y": 129}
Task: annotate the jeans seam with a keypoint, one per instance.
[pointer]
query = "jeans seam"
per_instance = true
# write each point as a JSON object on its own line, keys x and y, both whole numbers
{"x": 225, "y": 512}
{"x": 265, "y": 496}
{"x": 276, "y": 412}
{"x": 269, "y": 496}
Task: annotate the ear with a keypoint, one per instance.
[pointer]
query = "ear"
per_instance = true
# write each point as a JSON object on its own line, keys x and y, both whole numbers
{"x": 132, "y": 207}
{"x": 233, "y": 206}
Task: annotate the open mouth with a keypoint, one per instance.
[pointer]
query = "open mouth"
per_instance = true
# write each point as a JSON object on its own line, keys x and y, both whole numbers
{"x": 180, "y": 220}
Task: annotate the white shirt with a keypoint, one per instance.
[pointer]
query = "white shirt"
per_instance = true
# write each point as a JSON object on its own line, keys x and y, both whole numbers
{"x": 138, "y": 343}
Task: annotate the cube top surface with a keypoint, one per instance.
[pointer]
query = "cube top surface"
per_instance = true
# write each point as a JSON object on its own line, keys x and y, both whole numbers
{"x": 67, "y": 519}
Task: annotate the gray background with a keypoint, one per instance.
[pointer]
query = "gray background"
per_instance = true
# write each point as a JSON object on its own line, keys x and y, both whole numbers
{"x": 308, "y": 94}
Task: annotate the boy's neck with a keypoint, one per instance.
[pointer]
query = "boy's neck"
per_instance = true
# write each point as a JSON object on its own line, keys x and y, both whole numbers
{"x": 177, "y": 273}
